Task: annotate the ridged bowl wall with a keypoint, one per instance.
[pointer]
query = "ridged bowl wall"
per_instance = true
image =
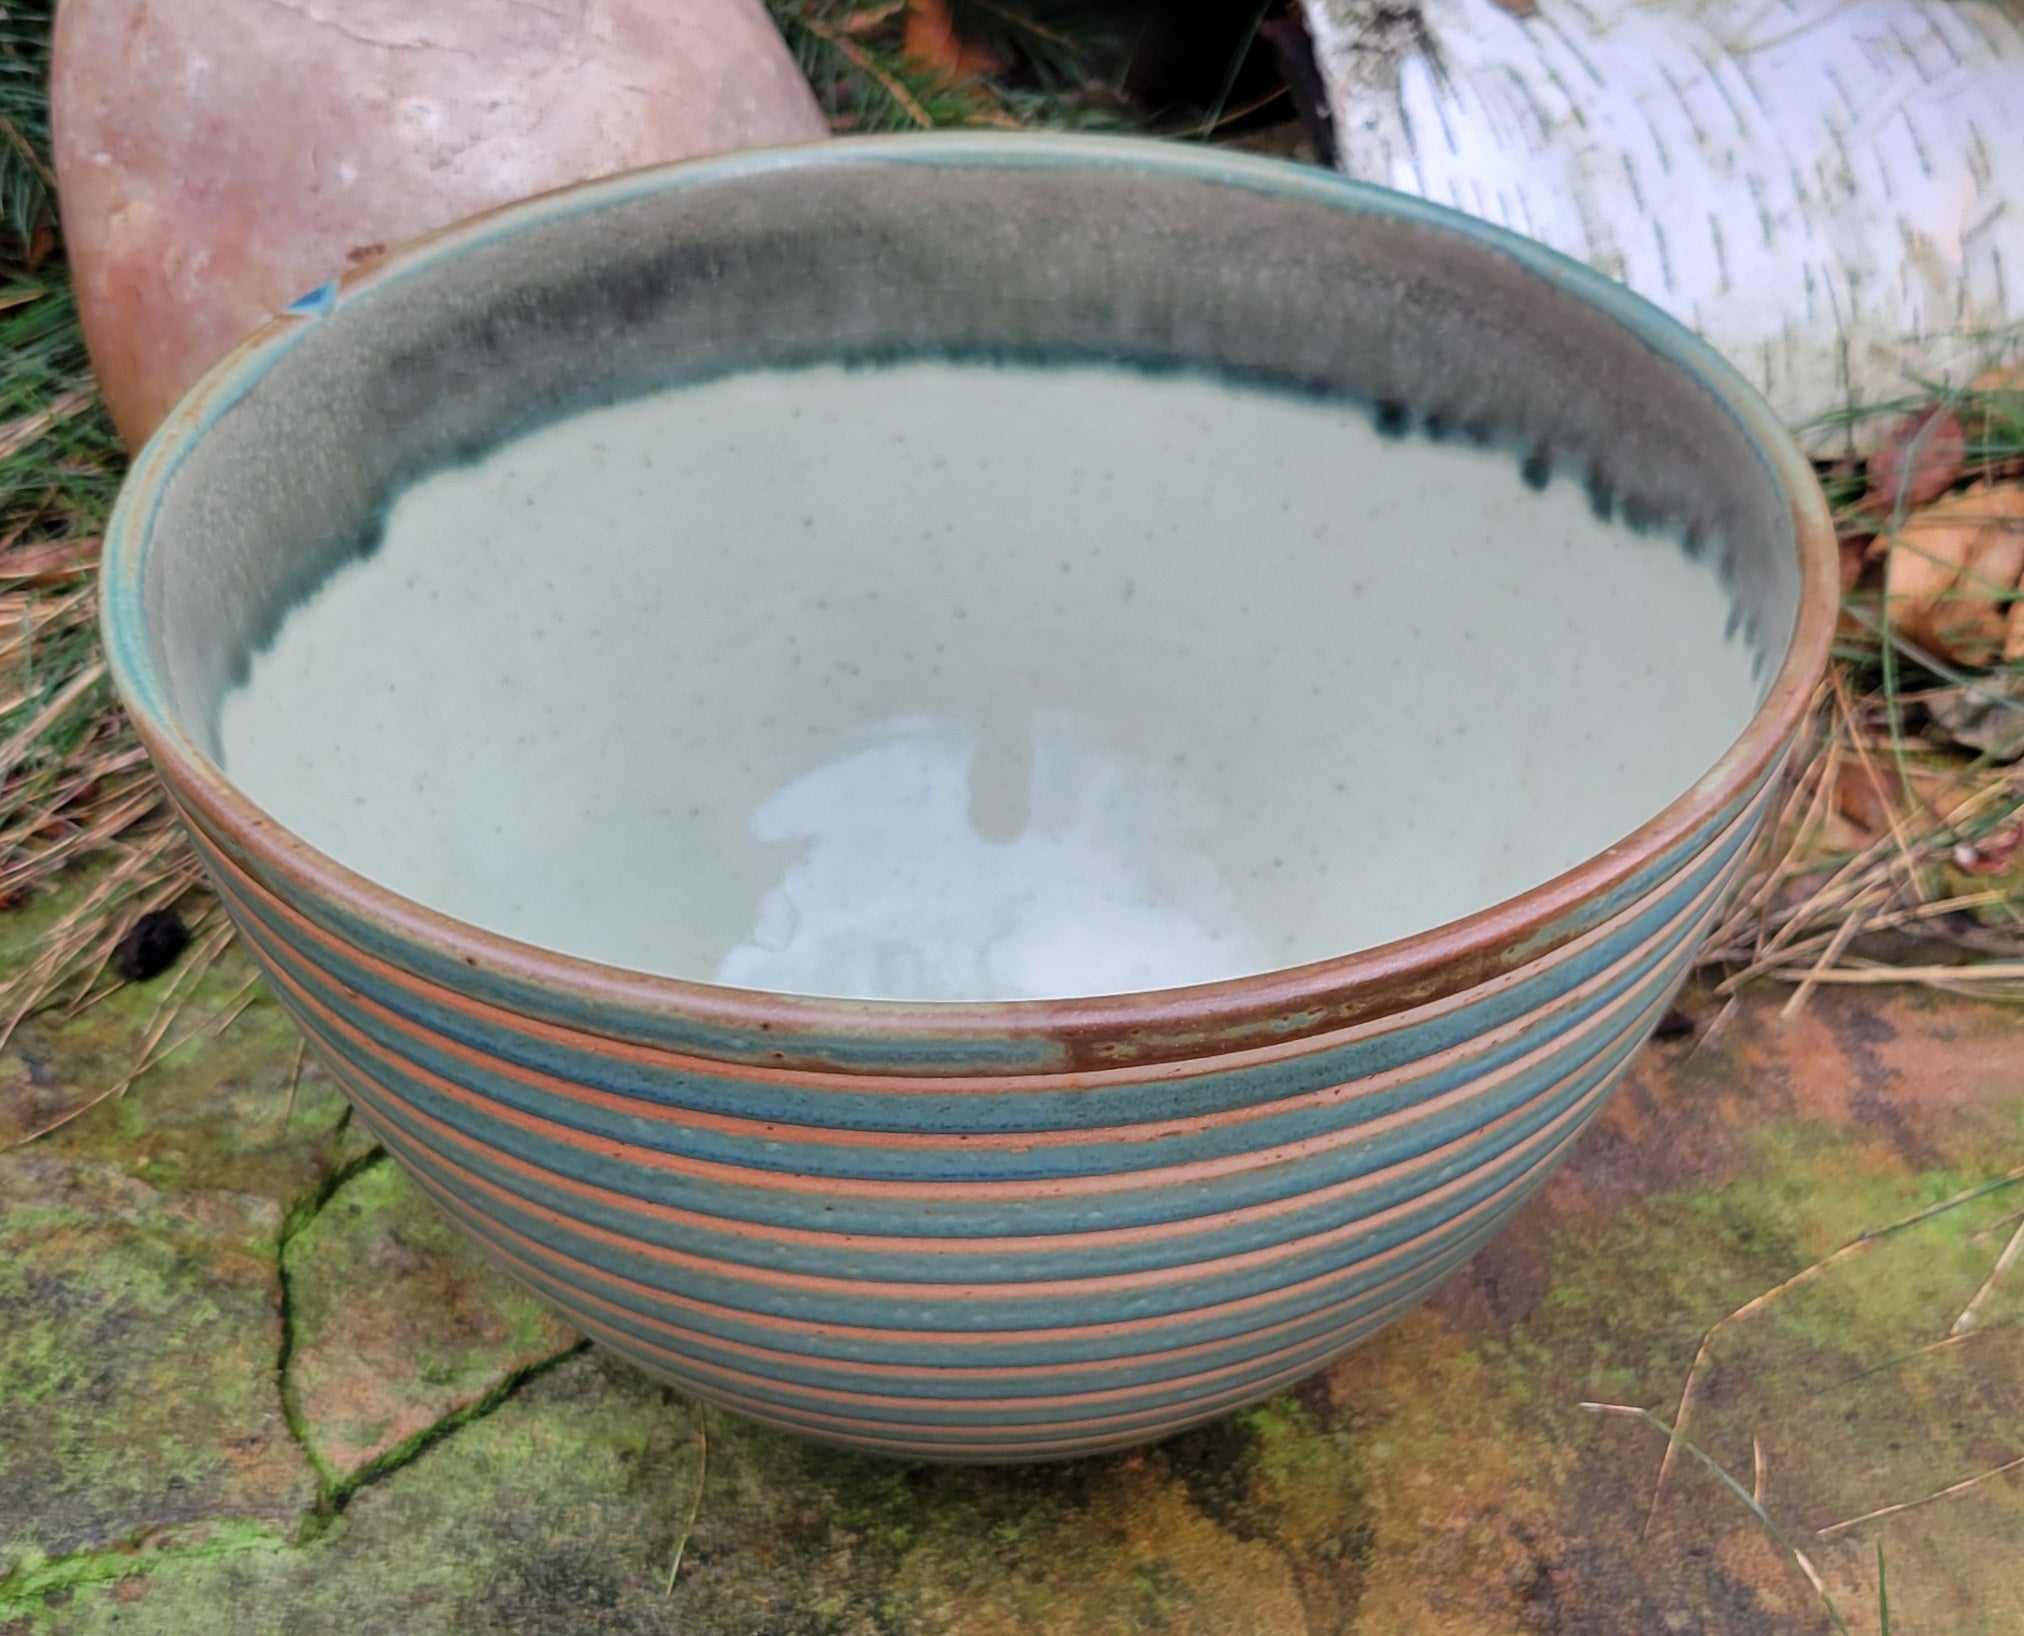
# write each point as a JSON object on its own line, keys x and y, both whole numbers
{"x": 977, "y": 1232}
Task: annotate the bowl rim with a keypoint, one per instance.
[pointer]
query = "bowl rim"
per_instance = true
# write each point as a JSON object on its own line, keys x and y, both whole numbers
{"x": 1197, "y": 1020}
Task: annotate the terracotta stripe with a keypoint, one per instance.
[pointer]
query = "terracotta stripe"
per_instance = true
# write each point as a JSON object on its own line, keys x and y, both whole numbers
{"x": 1209, "y": 1022}
{"x": 1457, "y": 1237}
{"x": 709, "y": 1384}
{"x": 1452, "y": 1059}
{"x": 1033, "y": 1290}
{"x": 497, "y": 1020}
{"x": 1021, "y": 1440}
{"x": 1374, "y": 1308}
{"x": 841, "y": 1243}
{"x": 1149, "y": 1179}
{"x": 1321, "y": 1324}
{"x": 489, "y": 1230}
{"x": 1381, "y": 1181}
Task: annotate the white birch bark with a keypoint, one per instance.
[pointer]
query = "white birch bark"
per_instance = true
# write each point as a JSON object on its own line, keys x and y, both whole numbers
{"x": 1831, "y": 191}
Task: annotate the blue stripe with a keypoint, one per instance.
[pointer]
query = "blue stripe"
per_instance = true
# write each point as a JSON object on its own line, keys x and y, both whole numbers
{"x": 878, "y": 1051}
{"x": 973, "y": 1113}
{"x": 1487, "y": 1167}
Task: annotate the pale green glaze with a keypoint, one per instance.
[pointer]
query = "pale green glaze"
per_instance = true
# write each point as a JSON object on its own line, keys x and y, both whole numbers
{"x": 955, "y": 681}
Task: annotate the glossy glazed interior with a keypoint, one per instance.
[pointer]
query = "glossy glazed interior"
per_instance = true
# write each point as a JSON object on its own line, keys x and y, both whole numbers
{"x": 956, "y": 681}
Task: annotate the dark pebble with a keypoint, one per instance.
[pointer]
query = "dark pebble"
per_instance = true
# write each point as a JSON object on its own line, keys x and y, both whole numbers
{"x": 152, "y": 944}
{"x": 1674, "y": 1025}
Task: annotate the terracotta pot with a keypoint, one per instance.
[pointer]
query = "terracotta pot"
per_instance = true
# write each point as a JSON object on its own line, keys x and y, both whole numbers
{"x": 217, "y": 158}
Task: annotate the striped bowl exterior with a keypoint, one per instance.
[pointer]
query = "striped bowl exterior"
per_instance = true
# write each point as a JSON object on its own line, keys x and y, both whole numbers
{"x": 985, "y": 1266}
{"x": 981, "y": 1232}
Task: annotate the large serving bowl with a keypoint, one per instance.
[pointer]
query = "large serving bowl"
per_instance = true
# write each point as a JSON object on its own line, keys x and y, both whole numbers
{"x": 964, "y": 1231}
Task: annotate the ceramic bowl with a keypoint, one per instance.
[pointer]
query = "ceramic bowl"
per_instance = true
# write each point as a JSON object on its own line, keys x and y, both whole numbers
{"x": 963, "y": 1231}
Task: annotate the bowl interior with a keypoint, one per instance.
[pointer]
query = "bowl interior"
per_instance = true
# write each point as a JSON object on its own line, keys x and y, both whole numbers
{"x": 1250, "y": 275}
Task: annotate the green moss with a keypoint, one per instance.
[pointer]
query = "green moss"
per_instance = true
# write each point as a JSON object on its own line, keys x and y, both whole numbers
{"x": 137, "y": 1386}
{"x": 550, "y": 1514}
{"x": 230, "y": 1108}
{"x": 31, "y": 1579}
{"x": 1630, "y": 1297}
{"x": 398, "y": 1330}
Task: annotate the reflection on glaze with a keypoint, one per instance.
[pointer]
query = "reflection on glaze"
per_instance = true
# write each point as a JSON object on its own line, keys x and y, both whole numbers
{"x": 947, "y": 681}
{"x": 939, "y": 863}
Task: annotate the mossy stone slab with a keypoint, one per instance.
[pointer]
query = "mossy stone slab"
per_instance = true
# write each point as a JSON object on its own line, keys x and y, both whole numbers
{"x": 139, "y": 1337}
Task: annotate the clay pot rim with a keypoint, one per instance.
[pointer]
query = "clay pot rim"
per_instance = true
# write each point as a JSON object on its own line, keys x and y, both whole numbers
{"x": 1192, "y": 1023}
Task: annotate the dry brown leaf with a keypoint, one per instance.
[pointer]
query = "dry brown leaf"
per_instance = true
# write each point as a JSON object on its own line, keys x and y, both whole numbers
{"x": 2010, "y": 379}
{"x": 1926, "y": 558}
{"x": 1866, "y": 798}
{"x": 1995, "y": 566}
{"x": 1953, "y": 572}
{"x": 935, "y": 45}
{"x": 1921, "y": 458}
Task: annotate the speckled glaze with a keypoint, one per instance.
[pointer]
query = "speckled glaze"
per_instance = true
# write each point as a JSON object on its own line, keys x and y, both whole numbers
{"x": 975, "y": 1231}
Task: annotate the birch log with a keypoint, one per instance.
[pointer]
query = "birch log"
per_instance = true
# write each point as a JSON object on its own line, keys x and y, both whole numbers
{"x": 1831, "y": 191}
